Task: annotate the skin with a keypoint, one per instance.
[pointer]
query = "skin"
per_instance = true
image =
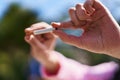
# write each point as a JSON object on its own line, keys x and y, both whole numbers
{"x": 42, "y": 47}
{"x": 101, "y": 34}
{"x": 101, "y": 31}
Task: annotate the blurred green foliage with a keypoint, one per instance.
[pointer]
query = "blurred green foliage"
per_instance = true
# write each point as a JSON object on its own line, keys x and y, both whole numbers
{"x": 13, "y": 49}
{"x": 12, "y": 26}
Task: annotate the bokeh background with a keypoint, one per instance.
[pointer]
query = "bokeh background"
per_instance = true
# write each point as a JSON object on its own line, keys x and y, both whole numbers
{"x": 16, "y": 15}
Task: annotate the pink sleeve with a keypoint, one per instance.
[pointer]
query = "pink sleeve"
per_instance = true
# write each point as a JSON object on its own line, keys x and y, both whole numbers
{"x": 104, "y": 71}
{"x": 69, "y": 70}
{"x": 72, "y": 70}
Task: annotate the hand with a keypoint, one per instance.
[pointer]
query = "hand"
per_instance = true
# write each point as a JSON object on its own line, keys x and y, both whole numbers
{"x": 42, "y": 46}
{"x": 101, "y": 31}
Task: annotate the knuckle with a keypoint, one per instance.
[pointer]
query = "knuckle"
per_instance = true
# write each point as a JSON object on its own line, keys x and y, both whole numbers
{"x": 78, "y": 5}
{"x": 72, "y": 9}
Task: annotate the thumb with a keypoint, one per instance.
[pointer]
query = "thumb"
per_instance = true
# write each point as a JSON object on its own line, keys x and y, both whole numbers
{"x": 69, "y": 39}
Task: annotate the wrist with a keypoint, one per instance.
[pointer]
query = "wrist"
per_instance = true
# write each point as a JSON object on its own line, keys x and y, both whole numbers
{"x": 51, "y": 63}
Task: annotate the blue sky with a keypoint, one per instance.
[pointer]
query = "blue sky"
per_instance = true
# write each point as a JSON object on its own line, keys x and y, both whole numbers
{"x": 50, "y": 8}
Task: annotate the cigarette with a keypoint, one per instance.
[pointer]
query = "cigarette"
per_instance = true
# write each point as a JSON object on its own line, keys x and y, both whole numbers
{"x": 42, "y": 31}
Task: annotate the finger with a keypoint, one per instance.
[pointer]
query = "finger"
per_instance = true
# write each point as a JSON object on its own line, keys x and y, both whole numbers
{"x": 40, "y": 51}
{"x": 26, "y": 38}
{"x": 100, "y": 10}
{"x": 49, "y": 41}
{"x": 50, "y": 36}
{"x": 34, "y": 42}
{"x": 68, "y": 24}
{"x": 97, "y": 5}
{"x": 88, "y": 5}
{"x": 81, "y": 13}
{"x": 73, "y": 16}
{"x": 78, "y": 23}
{"x": 70, "y": 39}
{"x": 28, "y": 31}
{"x": 47, "y": 38}
{"x": 39, "y": 37}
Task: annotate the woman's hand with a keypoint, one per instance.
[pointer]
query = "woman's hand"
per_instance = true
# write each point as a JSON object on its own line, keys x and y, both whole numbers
{"x": 42, "y": 46}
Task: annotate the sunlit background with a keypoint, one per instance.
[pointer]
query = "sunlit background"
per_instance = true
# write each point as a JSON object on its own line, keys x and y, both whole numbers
{"x": 15, "y": 15}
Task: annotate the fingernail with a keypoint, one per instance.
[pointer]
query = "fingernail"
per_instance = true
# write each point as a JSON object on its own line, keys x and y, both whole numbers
{"x": 31, "y": 37}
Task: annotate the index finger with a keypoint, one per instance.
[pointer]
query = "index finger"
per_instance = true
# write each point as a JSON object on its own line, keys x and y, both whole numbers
{"x": 68, "y": 24}
{"x": 88, "y": 5}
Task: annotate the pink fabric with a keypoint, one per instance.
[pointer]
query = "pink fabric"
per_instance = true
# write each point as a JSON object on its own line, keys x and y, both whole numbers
{"x": 72, "y": 70}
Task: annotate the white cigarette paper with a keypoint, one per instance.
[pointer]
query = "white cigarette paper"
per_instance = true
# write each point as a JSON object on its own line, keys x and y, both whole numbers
{"x": 42, "y": 31}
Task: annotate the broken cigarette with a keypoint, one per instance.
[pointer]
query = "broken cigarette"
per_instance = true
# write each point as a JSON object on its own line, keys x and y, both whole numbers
{"x": 42, "y": 31}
